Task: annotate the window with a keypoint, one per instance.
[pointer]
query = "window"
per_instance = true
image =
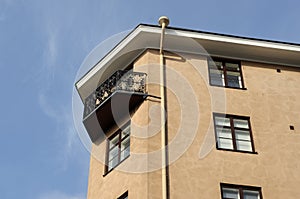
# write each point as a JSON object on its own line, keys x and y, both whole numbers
{"x": 225, "y": 73}
{"x": 124, "y": 195}
{"x": 229, "y": 191}
{"x": 233, "y": 133}
{"x": 118, "y": 147}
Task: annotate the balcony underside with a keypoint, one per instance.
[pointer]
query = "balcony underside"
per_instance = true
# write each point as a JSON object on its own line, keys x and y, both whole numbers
{"x": 113, "y": 111}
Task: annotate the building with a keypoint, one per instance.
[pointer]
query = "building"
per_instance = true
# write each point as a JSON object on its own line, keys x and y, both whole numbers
{"x": 232, "y": 117}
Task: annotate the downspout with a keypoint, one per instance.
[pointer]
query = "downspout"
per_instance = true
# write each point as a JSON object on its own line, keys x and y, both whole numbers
{"x": 163, "y": 22}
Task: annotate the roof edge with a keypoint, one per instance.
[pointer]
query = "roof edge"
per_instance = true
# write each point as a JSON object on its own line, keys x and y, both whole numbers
{"x": 221, "y": 34}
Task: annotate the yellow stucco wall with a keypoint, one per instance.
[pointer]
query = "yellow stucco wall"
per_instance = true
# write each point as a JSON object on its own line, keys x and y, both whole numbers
{"x": 270, "y": 100}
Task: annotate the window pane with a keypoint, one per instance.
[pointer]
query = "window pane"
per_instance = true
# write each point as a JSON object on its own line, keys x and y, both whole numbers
{"x": 251, "y": 194}
{"x": 214, "y": 73}
{"x": 234, "y": 79}
{"x": 242, "y": 135}
{"x": 222, "y": 121}
{"x": 125, "y": 148}
{"x": 119, "y": 147}
{"x": 113, "y": 153}
{"x": 217, "y": 77}
{"x": 217, "y": 81}
{"x": 240, "y": 123}
{"x": 113, "y": 163}
{"x": 230, "y": 193}
{"x": 243, "y": 145}
{"x": 225, "y": 143}
{"x": 216, "y": 65}
{"x": 233, "y": 74}
{"x": 224, "y": 132}
{"x": 114, "y": 141}
{"x": 219, "y": 64}
{"x": 232, "y": 67}
{"x": 126, "y": 131}
{"x": 125, "y": 153}
{"x": 125, "y": 143}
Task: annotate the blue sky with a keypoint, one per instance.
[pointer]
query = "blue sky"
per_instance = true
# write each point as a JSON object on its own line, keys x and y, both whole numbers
{"x": 42, "y": 45}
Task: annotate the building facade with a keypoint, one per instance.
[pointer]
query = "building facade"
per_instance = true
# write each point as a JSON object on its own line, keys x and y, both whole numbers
{"x": 232, "y": 117}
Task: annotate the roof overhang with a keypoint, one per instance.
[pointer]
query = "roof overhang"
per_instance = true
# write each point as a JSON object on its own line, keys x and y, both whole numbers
{"x": 186, "y": 41}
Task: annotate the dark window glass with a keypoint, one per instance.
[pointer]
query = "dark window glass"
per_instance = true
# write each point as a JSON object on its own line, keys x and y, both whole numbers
{"x": 225, "y": 73}
{"x": 240, "y": 192}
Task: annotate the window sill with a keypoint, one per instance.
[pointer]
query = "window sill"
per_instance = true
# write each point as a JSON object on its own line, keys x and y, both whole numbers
{"x": 228, "y": 87}
{"x": 249, "y": 152}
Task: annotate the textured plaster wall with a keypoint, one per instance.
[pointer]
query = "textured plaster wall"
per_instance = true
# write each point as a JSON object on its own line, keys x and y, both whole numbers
{"x": 271, "y": 99}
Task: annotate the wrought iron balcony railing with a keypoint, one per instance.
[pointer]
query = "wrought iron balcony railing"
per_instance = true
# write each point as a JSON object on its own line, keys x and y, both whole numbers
{"x": 120, "y": 81}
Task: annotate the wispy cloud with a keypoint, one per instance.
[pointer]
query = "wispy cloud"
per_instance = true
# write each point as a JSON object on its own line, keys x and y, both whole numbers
{"x": 57, "y": 107}
{"x": 60, "y": 195}
{"x": 52, "y": 46}
{"x": 50, "y": 53}
{"x": 63, "y": 118}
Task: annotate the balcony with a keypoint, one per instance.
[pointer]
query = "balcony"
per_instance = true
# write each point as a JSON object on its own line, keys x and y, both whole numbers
{"x": 112, "y": 101}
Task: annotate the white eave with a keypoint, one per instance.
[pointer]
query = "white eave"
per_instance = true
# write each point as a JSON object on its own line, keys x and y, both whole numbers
{"x": 188, "y": 41}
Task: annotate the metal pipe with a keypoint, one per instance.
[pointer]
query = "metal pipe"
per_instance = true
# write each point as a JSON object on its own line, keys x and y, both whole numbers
{"x": 163, "y": 22}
